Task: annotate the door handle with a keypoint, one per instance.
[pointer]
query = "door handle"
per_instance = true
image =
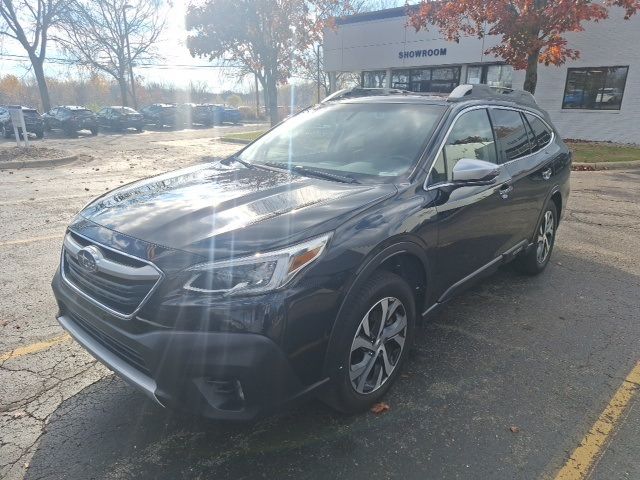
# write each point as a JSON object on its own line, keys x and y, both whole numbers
{"x": 505, "y": 190}
{"x": 546, "y": 174}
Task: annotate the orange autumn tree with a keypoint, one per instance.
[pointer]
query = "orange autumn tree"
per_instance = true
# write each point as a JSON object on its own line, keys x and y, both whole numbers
{"x": 532, "y": 30}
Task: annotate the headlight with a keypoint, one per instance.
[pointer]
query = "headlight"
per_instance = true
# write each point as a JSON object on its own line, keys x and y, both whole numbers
{"x": 259, "y": 273}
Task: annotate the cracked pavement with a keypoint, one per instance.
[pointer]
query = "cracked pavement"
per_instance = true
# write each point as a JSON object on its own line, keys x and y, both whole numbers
{"x": 541, "y": 354}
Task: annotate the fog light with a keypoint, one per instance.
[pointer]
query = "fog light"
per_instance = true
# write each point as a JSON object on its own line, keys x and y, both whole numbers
{"x": 222, "y": 394}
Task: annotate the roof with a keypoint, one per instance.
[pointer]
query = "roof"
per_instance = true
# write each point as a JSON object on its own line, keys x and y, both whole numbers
{"x": 377, "y": 15}
{"x": 73, "y": 107}
{"x": 462, "y": 94}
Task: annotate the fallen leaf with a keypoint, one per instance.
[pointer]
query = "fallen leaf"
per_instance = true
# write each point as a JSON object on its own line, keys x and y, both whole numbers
{"x": 379, "y": 408}
{"x": 514, "y": 429}
{"x": 18, "y": 414}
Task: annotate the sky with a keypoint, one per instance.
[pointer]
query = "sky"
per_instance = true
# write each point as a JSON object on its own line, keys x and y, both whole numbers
{"x": 176, "y": 66}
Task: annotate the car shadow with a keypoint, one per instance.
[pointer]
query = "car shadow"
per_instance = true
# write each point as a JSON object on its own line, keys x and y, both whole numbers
{"x": 530, "y": 352}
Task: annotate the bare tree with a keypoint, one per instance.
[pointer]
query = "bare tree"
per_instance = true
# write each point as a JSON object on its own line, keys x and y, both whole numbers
{"x": 29, "y": 22}
{"x": 111, "y": 35}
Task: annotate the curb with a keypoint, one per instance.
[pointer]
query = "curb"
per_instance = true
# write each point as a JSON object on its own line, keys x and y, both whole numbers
{"x": 235, "y": 140}
{"x": 38, "y": 163}
{"x": 605, "y": 165}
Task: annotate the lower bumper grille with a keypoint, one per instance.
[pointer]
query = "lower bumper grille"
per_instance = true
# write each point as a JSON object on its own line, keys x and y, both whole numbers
{"x": 114, "y": 346}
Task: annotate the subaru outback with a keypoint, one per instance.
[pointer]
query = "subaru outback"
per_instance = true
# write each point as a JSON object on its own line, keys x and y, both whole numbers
{"x": 301, "y": 265}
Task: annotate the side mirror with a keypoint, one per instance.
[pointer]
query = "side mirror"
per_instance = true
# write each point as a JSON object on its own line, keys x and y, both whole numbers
{"x": 471, "y": 170}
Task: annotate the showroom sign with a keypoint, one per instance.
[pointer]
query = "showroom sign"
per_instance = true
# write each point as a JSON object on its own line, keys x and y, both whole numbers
{"x": 431, "y": 52}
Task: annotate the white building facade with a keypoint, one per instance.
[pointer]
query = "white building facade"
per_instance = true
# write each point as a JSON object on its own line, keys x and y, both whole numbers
{"x": 596, "y": 97}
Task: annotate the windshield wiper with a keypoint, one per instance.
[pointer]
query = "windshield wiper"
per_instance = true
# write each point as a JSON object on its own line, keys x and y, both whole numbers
{"x": 235, "y": 158}
{"x": 311, "y": 172}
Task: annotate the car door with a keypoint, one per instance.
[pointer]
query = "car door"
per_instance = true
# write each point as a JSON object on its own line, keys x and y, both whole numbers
{"x": 472, "y": 233}
{"x": 103, "y": 117}
{"x": 524, "y": 142}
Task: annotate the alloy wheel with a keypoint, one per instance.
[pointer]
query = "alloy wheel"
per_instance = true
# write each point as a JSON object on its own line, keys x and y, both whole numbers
{"x": 545, "y": 237}
{"x": 377, "y": 345}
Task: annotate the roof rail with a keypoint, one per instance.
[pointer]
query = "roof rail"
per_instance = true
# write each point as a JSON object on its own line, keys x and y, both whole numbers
{"x": 354, "y": 92}
{"x": 479, "y": 91}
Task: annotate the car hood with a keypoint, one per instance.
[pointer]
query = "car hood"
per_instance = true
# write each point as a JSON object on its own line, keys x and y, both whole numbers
{"x": 229, "y": 210}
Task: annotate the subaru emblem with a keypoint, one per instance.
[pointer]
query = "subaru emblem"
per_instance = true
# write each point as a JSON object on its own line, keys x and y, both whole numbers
{"x": 88, "y": 258}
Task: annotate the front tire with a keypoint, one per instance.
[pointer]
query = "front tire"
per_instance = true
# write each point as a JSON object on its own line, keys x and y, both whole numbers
{"x": 537, "y": 257}
{"x": 372, "y": 343}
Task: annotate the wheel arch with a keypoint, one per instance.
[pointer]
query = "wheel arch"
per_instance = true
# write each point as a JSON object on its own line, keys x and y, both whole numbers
{"x": 404, "y": 257}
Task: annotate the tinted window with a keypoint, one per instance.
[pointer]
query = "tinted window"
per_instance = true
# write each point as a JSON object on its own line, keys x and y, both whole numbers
{"x": 540, "y": 132}
{"x": 598, "y": 88}
{"x": 470, "y": 137}
{"x": 345, "y": 137}
{"x": 511, "y": 133}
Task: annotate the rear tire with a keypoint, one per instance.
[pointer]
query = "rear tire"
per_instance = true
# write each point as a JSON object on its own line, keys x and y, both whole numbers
{"x": 6, "y": 133}
{"x": 372, "y": 343}
{"x": 39, "y": 134}
{"x": 94, "y": 131}
{"x": 536, "y": 258}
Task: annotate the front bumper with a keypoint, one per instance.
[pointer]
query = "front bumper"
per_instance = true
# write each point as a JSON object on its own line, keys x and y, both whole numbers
{"x": 223, "y": 375}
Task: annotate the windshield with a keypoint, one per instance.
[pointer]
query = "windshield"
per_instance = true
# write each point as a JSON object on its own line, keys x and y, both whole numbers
{"x": 362, "y": 139}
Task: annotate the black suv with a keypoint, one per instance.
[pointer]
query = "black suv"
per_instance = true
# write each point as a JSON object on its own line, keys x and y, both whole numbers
{"x": 302, "y": 264}
{"x": 32, "y": 121}
{"x": 71, "y": 119}
{"x": 120, "y": 118}
{"x": 161, "y": 115}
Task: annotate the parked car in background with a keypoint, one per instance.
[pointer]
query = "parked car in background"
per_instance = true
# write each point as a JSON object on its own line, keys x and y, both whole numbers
{"x": 161, "y": 115}
{"x": 71, "y": 119}
{"x": 301, "y": 264}
{"x": 120, "y": 118}
{"x": 195, "y": 114}
{"x": 231, "y": 115}
{"x": 32, "y": 120}
{"x": 223, "y": 114}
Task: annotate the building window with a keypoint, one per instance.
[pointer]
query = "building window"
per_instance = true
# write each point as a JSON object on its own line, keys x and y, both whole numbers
{"x": 400, "y": 79}
{"x": 432, "y": 80}
{"x": 598, "y": 88}
{"x": 493, "y": 75}
{"x": 374, "y": 79}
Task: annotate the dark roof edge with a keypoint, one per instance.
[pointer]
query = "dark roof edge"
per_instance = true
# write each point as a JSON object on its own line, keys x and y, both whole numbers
{"x": 377, "y": 15}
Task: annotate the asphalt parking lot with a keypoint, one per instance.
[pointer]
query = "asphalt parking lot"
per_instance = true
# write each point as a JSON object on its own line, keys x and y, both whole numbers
{"x": 505, "y": 383}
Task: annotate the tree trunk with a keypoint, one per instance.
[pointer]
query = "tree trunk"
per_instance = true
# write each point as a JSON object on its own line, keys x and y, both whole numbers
{"x": 38, "y": 70}
{"x": 123, "y": 90}
{"x": 531, "y": 74}
{"x": 271, "y": 93}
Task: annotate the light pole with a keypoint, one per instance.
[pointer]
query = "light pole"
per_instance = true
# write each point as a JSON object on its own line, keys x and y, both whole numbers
{"x": 318, "y": 69}
{"x": 126, "y": 34}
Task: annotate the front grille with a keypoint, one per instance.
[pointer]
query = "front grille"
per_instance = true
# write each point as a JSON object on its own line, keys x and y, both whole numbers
{"x": 116, "y": 347}
{"x": 119, "y": 283}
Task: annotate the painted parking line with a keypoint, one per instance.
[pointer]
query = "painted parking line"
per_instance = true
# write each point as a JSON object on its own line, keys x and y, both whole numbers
{"x": 31, "y": 239}
{"x": 597, "y": 439}
{"x": 34, "y": 347}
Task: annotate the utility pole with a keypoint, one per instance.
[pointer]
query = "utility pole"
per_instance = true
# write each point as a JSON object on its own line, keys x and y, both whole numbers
{"x": 126, "y": 33}
{"x": 255, "y": 78}
{"x": 318, "y": 69}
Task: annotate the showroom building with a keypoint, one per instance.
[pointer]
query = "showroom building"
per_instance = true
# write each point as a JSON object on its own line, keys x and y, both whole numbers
{"x": 596, "y": 97}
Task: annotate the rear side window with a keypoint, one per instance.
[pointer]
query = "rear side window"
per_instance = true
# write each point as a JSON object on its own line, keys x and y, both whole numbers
{"x": 511, "y": 134}
{"x": 470, "y": 137}
{"x": 540, "y": 132}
